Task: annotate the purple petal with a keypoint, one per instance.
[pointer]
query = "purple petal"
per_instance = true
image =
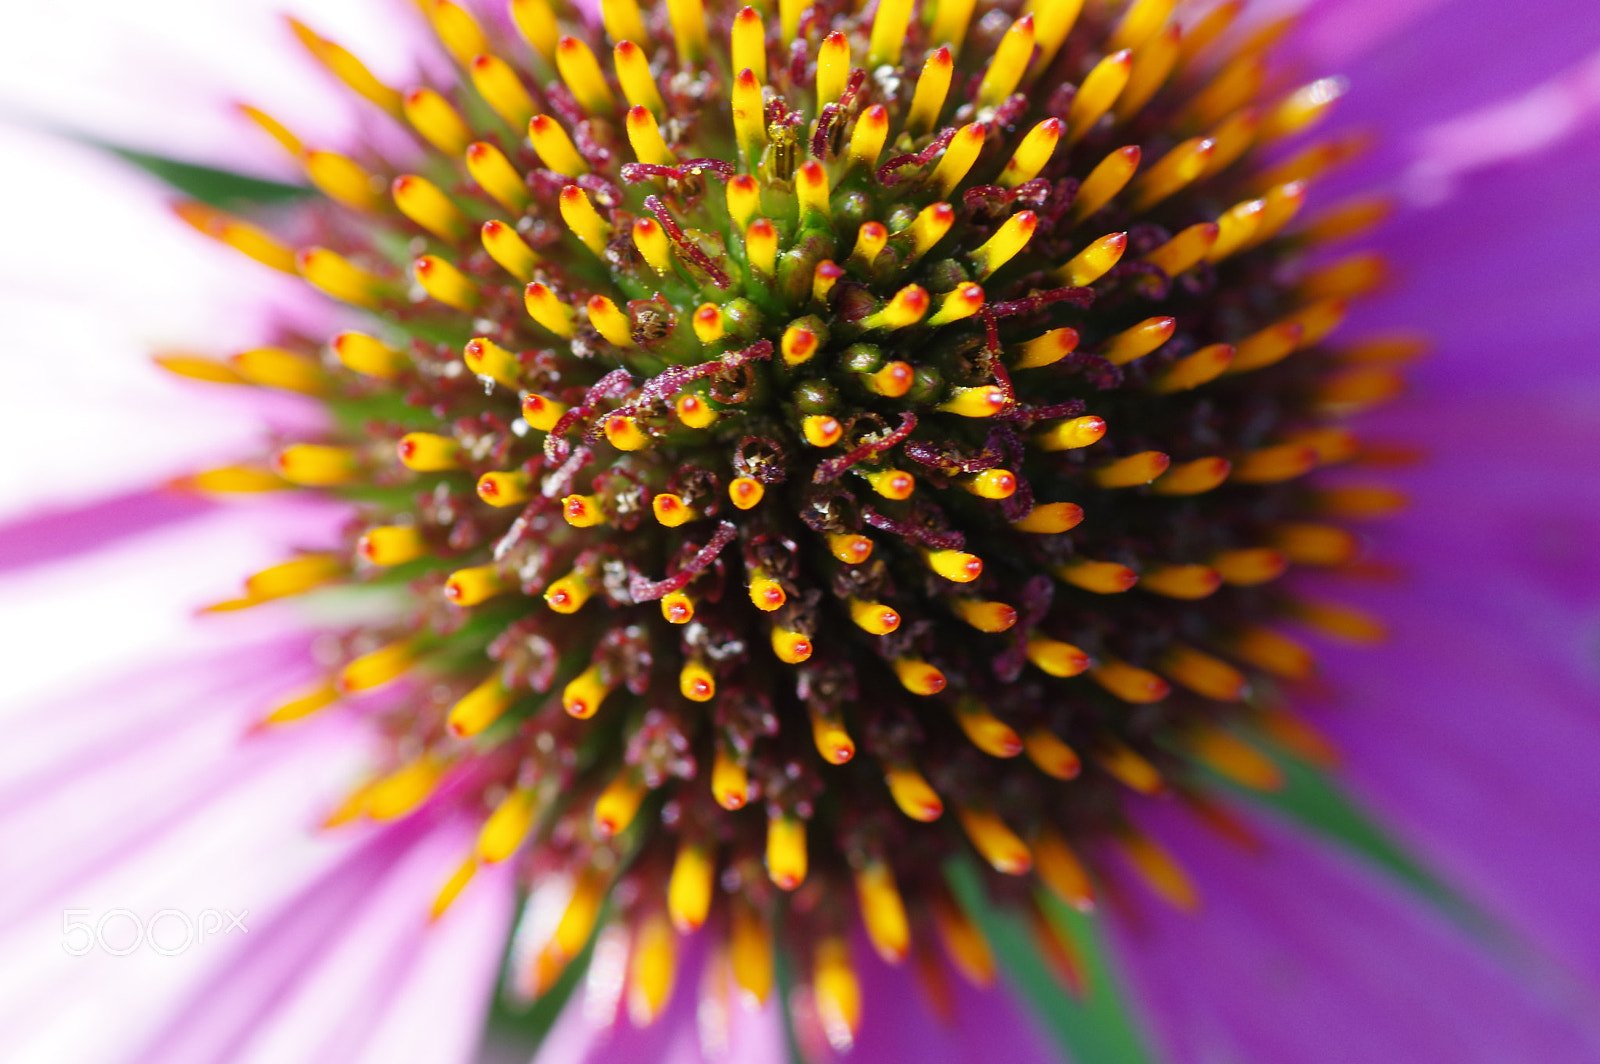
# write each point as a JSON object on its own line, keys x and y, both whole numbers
{"x": 898, "y": 1024}
{"x": 1473, "y": 730}
{"x": 60, "y": 534}
{"x": 1299, "y": 956}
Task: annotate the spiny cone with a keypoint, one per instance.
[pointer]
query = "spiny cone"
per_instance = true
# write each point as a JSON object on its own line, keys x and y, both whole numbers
{"x": 734, "y": 391}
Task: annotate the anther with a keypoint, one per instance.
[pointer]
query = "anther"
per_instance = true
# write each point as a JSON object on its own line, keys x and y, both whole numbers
{"x": 1152, "y": 63}
{"x": 748, "y": 42}
{"x": 633, "y": 74}
{"x": 1159, "y": 870}
{"x": 568, "y": 594}
{"x": 1132, "y": 471}
{"x": 480, "y": 707}
{"x": 1055, "y": 657}
{"x": 342, "y": 179}
{"x": 1182, "y": 581}
{"x": 1097, "y": 92}
{"x": 745, "y": 493}
{"x": 1130, "y": 768}
{"x": 694, "y": 412}
{"x": 933, "y": 85}
{"x": 891, "y": 483}
{"x": 548, "y": 309}
{"x": 833, "y": 977}
{"x": 443, "y": 281}
{"x": 509, "y": 250}
{"x": 766, "y": 594}
{"x": 1094, "y": 261}
{"x": 1309, "y": 543}
{"x": 1233, "y": 758}
{"x": 918, "y": 677}
{"x": 1250, "y": 566}
{"x": 504, "y": 489}
{"x": 986, "y": 616}
{"x": 790, "y": 647}
{"x": 427, "y": 452}
{"x": 912, "y": 793}
{"x": 786, "y": 851}
{"x": 1203, "y": 674}
{"x": 388, "y": 545}
{"x": 849, "y": 548}
{"x": 1271, "y": 465}
{"x": 584, "y": 221}
{"x": 691, "y": 884}
{"x": 696, "y": 682}
{"x": 653, "y": 244}
{"x": 644, "y": 136}
{"x": 990, "y": 484}
{"x": 1191, "y": 371}
{"x": 624, "y": 433}
{"x": 583, "y": 511}
{"x": 582, "y": 696}
{"x": 316, "y": 465}
{"x": 376, "y": 668}
{"x": 1009, "y": 63}
{"x": 618, "y": 804}
{"x": 555, "y": 148}
{"x": 821, "y": 430}
{"x": 1102, "y": 578}
{"x": 368, "y": 356}
{"x": 761, "y": 246}
{"x": 1054, "y": 758}
{"x": 867, "y": 139}
{"x": 1050, "y": 518}
{"x": 986, "y": 731}
{"x": 431, "y": 115}
{"x": 1273, "y": 652}
{"x": 1071, "y": 434}
{"x": 536, "y": 21}
{"x": 623, "y": 20}
{"x": 1180, "y": 166}
{"x": 1138, "y": 341}
{"x": 541, "y": 411}
{"x": 958, "y": 158}
{"x": 1108, "y": 178}
{"x": 954, "y": 565}
{"x": 1062, "y": 872}
{"x": 1047, "y": 350}
{"x": 1193, "y": 478}
{"x": 1129, "y": 682}
{"x": 982, "y": 401}
{"x": 580, "y": 70}
{"x": 338, "y": 276}
{"x": 609, "y": 321}
{"x": 730, "y": 783}
{"x": 873, "y": 618}
{"x": 1186, "y": 250}
{"x": 883, "y": 911}
{"x": 502, "y": 90}
{"x": 832, "y": 741}
{"x": 833, "y": 68}
{"x": 688, "y": 20}
{"x": 893, "y": 380}
{"x": 749, "y": 118}
{"x": 889, "y": 28}
{"x": 995, "y": 841}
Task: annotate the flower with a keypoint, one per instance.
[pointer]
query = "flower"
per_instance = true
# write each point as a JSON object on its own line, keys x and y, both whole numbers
{"x": 766, "y": 417}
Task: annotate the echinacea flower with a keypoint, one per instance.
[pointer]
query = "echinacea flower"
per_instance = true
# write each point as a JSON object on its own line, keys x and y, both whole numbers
{"x": 802, "y": 506}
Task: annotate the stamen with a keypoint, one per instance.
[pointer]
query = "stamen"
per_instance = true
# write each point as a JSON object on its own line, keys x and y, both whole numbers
{"x": 609, "y": 321}
{"x": 986, "y": 616}
{"x": 509, "y": 250}
{"x": 1010, "y": 238}
{"x": 1205, "y": 365}
{"x": 1108, "y": 178}
{"x": 388, "y": 545}
{"x": 1159, "y": 870}
{"x": 633, "y": 74}
{"x": 544, "y": 307}
{"x": 505, "y": 489}
{"x": 986, "y": 731}
{"x": 1133, "y": 470}
{"x": 933, "y": 85}
{"x": 959, "y": 155}
{"x": 833, "y": 68}
{"x": 555, "y": 148}
{"x": 1274, "y": 652}
{"x": 889, "y": 28}
{"x": 582, "y": 696}
{"x": 1232, "y": 757}
{"x": 867, "y": 140}
{"x": 1142, "y": 20}
{"x": 619, "y": 803}
{"x": 342, "y": 179}
{"x": 918, "y": 676}
{"x": 537, "y": 23}
{"x": 688, "y": 18}
{"x": 1185, "y": 250}
{"x": 1062, "y": 872}
{"x": 338, "y": 276}
{"x": 427, "y": 452}
{"x": 584, "y": 221}
{"x": 1152, "y": 63}
{"x": 645, "y": 138}
{"x": 432, "y": 116}
{"x": 999, "y": 845}
{"x": 1071, "y": 434}
{"x": 1177, "y": 168}
{"x": 689, "y": 889}
{"x": 1250, "y": 566}
{"x": 580, "y": 70}
{"x": 1054, "y": 758}
{"x": 786, "y": 851}
{"x": 487, "y": 359}
{"x": 500, "y": 88}
{"x": 1008, "y": 64}
{"x": 623, "y": 21}
{"x": 837, "y": 988}
{"x": 1055, "y": 657}
{"x": 441, "y": 280}
{"x": 883, "y": 911}
{"x": 1129, "y": 683}
{"x": 873, "y": 618}
{"x": 1033, "y": 153}
{"x": 913, "y": 795}
{"x": 749, "y": 118}
{"x": 1090, "y": 264}
{"x": 1097, "y": 92}
{"x": 1051, "y": 518}
{"x": 316, "y": 465}
{"x": 749, "y": 43}
{"x": 481, "y": 707}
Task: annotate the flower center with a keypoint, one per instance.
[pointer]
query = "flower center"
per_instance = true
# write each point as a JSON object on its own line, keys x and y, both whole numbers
{"x": 826, "y": 445}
